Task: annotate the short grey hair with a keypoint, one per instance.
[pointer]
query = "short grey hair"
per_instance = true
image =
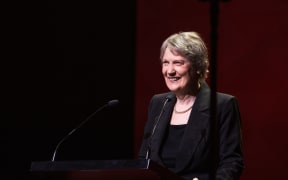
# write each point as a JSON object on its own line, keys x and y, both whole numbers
{"x": 191, "y": 46}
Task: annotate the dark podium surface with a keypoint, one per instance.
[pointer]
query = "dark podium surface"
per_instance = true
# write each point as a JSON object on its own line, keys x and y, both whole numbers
{"x": 139, "y": 169}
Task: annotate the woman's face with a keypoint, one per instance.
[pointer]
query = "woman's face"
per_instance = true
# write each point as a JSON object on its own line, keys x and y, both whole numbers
{"x": 177, "y": 72}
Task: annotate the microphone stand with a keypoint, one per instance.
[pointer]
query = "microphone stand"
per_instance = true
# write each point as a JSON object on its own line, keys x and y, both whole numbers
{"x": 71, "y": 132}
{"x": 214, "y": 14}
{"x": 109, "y": 104}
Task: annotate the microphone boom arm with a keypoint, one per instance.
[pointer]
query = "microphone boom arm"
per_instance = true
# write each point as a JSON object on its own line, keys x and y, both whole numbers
{"x": 110, "y": 104}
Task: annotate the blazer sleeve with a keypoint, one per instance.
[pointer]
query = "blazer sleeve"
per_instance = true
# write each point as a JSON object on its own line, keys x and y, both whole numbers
{"x": 231, "y": 164}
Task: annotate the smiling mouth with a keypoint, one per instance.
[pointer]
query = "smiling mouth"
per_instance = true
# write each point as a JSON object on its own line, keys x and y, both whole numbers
{"x": 173, "y": 78}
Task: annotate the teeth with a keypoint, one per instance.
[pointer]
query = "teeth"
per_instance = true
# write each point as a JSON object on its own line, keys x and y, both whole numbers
{"x": 173, "y": 79}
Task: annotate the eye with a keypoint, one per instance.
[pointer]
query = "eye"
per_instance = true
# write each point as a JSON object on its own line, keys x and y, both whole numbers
{"x": 179, "y": 63}
{"x": 165, "y": 63}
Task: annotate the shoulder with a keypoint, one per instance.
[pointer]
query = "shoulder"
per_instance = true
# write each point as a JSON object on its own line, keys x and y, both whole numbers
{"x": 225, "y": 96}
{"x": 227, "y": 101}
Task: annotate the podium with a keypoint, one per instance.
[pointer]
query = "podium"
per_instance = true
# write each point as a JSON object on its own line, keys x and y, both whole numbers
{"x": 138, "y": 169}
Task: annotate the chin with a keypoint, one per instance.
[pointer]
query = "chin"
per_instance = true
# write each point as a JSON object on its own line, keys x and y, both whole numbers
{"x": 173, "y": 89}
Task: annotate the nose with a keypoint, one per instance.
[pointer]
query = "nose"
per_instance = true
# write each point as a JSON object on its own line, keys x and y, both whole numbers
{"x": 170, "y": 70}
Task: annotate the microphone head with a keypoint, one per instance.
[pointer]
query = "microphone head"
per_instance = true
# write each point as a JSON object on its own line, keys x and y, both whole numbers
{"x": 113, "y": 103}
{"x": 169, "y": 97}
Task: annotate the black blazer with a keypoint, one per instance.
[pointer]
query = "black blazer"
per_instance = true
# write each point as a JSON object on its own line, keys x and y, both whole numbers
{"x": 195, "y": 157}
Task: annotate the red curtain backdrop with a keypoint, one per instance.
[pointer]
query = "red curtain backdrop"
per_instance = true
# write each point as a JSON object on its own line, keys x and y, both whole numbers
{"x": 252, "y": 60}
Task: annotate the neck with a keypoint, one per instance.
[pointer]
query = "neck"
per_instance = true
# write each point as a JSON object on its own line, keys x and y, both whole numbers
{"x": 192, "y": 91}
{"x": 185, "y": 99}
{"x": 184, "y": 104}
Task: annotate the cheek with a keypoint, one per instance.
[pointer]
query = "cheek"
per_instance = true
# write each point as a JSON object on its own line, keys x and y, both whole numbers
{"x": 188, "y": 71}
{"x": 182, "y": 71}
{"x": 187, "y": 75}
{"x": 164, "y": 70}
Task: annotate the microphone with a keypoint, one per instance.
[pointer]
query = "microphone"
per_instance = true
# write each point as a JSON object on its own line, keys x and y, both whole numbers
{"x": 168, "y": 98}
{"x": 111, "y": 103}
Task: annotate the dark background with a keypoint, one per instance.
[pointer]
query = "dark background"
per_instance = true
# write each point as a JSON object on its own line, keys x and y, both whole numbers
{"x": 60, "y": 63}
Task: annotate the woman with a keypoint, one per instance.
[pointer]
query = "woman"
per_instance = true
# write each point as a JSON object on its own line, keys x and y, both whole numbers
{"x": 177, "y": 133}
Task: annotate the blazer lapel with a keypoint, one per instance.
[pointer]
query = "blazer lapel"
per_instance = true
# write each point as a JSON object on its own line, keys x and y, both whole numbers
{"x": 160, "y": 129}
{"x": 196, "y": 128}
